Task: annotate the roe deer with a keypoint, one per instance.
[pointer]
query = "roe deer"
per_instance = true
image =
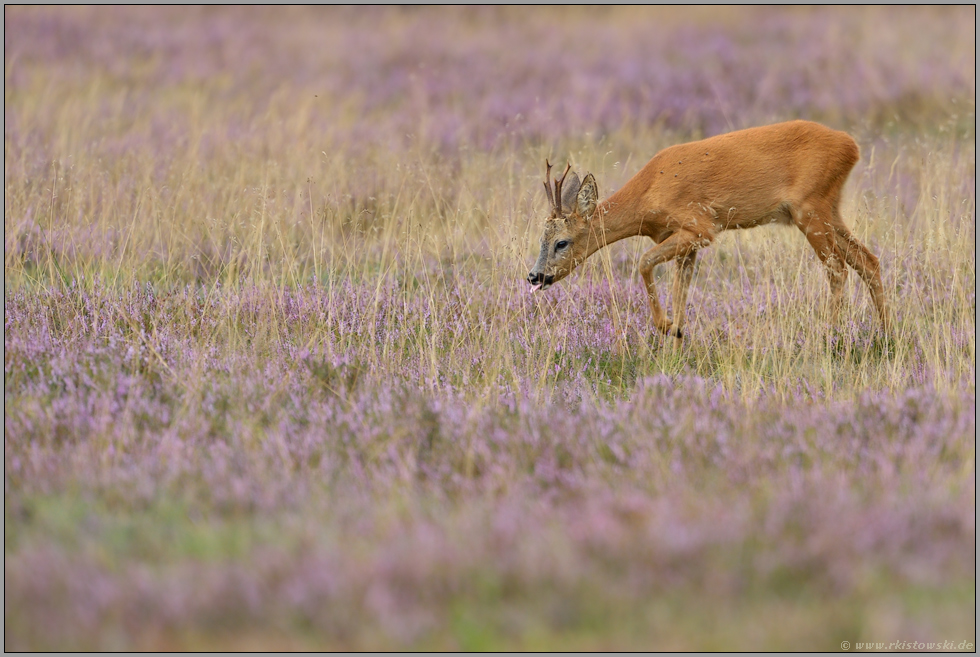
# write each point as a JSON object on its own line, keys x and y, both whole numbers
{"x": 790, "y": 173}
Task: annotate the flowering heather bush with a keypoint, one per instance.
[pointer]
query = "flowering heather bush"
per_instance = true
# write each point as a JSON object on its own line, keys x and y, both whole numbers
{"x": 273, "y": 378}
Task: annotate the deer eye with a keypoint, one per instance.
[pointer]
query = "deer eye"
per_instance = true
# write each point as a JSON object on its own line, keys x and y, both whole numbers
{"x": 561, "y": 245}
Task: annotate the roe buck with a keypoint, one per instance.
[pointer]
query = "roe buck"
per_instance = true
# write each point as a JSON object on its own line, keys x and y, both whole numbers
{"x": 789, "y": 173}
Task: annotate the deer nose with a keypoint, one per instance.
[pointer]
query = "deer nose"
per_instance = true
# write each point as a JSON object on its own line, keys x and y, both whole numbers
{"x": 533, "y": 278}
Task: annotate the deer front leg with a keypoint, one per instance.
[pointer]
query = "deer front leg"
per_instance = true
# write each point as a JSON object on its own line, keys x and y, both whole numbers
{"x": 682, "y": 283}
{"x": 682, "y": 244}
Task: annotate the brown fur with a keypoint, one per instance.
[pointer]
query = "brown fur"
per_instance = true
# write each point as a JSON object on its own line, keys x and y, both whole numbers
{"x": 789, "y": 173}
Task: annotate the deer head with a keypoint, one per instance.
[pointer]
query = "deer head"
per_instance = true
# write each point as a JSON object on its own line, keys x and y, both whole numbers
{"x": 564, "y": 242}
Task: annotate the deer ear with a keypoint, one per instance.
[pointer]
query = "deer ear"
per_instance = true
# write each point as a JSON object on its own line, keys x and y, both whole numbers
{"x": 569, "y": 190}
{"x": 588, "y": 197}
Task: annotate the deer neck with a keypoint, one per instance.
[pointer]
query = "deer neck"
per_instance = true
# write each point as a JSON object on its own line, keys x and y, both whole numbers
{"x": 615, "y": 218}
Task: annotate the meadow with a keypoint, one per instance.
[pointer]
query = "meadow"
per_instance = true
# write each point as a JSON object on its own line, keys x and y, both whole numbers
{"x": 273, "y": 378}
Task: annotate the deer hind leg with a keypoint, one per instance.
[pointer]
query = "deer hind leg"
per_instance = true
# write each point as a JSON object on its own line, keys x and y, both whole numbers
{"x": 682, "y": 244}
{"x": 861, "y": 260}
{"x": 819, "y": 231}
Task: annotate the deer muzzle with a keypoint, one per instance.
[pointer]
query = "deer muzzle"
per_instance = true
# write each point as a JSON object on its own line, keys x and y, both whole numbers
{"x": 539, "y": 281}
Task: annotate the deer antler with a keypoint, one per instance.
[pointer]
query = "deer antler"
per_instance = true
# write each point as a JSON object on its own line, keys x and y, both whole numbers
{"x": 558, "y": 184}
{"x": 547, "y": 184}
